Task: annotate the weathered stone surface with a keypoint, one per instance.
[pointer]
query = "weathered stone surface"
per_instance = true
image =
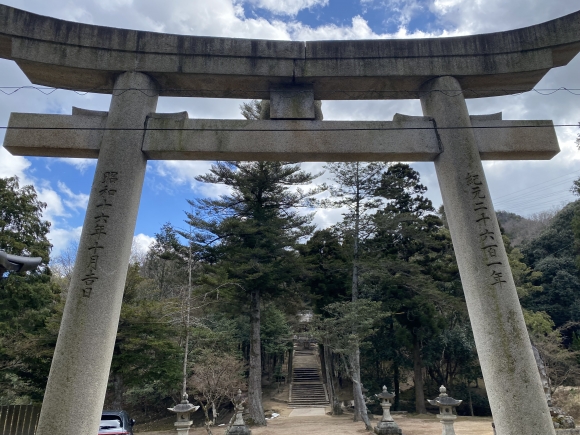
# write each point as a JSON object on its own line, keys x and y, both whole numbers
{"x": 80, "y": 56}
{"x": 65, "y": 136}
{"x": 76, "y": 386}
{"x": 289, "y": 140}
{"x": 515, "y": 140}
{"x": 561, "y": 419}
{"x": 512, "y": 380}
{"x": 292, "y": 102}
{"x": 387, "y": 428}
{"x": 239, "y": 430}
{"x": 210, "y": 139}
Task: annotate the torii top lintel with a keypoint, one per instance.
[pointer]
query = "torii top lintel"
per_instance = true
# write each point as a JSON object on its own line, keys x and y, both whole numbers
{"x": 77, "y": 56}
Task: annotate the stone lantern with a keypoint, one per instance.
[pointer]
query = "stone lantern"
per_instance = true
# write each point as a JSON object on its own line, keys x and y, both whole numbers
{"x": 387, "y": 425}
{"x": 239, "y": 426}
{"x": 183, "y": 410}
{"x": 446, "y": 405}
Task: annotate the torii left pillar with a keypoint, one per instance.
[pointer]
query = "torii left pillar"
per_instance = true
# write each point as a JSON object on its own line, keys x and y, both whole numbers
{"x": 82, "y": 358}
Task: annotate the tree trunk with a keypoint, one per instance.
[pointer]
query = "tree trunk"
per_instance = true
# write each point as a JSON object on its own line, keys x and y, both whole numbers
{"x": 360, "y": 408}
{"x": 418, "y": 374}
{"x": 397, "y": 386}
{"x": 470, "y": 400}
{"x": 255, "y": 407}
{"x": 208, "y": 422}
{"x": 334, "y": 403}
{"x": 117, "y": 391}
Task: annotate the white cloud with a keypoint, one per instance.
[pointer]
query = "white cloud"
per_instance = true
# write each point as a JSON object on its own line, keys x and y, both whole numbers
{"x": 75, "y": 200}
{"x": 80, "y": 164}
{"x": 287, "y": 7}
{"x": 179, "y": 173}
{"x": 61, "y": 238}
{"x": 359, "y": 29}
{"x": 478, "y": 16}
{"x": 141, "y": 244}
{"x": 13, "y": 165}
{"x": 54, "y": 204}
{"x": 444, "y": 6}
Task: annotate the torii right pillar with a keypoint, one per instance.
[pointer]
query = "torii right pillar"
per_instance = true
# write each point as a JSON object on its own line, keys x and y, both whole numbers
{"x": 511, "y": 376}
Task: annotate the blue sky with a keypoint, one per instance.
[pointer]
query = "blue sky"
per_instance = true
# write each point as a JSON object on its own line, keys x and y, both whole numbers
{"x": 521, "y": 187}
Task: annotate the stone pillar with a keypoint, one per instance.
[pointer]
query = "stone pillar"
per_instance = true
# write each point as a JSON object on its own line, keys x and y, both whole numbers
{"x": 511, "y": 377}
{"x": 76, "y": 386}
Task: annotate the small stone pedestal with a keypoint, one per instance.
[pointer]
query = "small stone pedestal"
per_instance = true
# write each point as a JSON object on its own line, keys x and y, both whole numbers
{"x": 387, "y": 425}
{"x": 183, "y": 410}
{"x": 239, "y": 426}
{"x": 446, "y": 405}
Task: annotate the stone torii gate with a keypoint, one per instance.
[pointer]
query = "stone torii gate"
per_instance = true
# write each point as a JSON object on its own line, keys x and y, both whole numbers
{"x": 137, "y": 67}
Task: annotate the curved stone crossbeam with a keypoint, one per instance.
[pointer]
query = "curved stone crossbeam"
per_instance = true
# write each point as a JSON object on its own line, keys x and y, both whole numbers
{"x": 69, "y": 55}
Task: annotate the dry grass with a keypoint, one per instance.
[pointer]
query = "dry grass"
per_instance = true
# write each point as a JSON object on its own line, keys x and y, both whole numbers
{"x": 568, "y": 398}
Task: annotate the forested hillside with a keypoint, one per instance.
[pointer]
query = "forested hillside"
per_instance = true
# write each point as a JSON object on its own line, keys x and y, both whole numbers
{"x": 524, "y": 229}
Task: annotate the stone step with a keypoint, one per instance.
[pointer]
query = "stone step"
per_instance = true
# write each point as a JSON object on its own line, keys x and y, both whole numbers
{"x": 297, "y": 398}
{"x": 321, "y": 399}
{"x": 308, "y": 387}
{"x": 298, "y": 387}
{"x": 307, "y": 394}
{"x": 306, "y": 402}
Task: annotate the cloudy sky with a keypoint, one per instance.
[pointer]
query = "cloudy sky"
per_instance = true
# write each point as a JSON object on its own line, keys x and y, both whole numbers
{"x": 521, "y": 187}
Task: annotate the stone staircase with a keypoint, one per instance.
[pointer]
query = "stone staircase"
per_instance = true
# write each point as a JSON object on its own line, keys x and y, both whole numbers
{"x": 307, "y": 389}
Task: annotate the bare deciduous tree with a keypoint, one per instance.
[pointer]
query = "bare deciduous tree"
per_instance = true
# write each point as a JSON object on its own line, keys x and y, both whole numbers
{"x": 216, "y": 380}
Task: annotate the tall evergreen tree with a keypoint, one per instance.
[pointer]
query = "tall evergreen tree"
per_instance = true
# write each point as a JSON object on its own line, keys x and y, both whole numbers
{"x": 411, "y": 244}
{"x": 251, "y": 235}
{"x": 355, "y": 188}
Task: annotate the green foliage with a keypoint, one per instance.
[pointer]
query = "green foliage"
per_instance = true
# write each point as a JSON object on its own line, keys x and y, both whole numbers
{"x": 166, "y": 264}
{"x": 22, "y": 230}
{"x": 28, "y": 301}
{"x": 553, "y": 255}
{"x": 451, "y": 356}
{"x": 539, "y": 323}
{"x": 252, "y": 232}
{"x": 524, "y": 276}
{"x": 275, "y": 332}
{"x": 328, "y": 263}
{"x": 348, "y": 324}
{"x": 145, "y": 349}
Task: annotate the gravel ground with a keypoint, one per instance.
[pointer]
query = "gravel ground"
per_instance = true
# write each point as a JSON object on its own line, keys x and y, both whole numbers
{"x": 343, "y": 425}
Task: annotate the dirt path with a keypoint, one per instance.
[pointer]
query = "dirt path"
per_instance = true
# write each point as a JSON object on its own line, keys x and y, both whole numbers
{"x": 343, "y": 425}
